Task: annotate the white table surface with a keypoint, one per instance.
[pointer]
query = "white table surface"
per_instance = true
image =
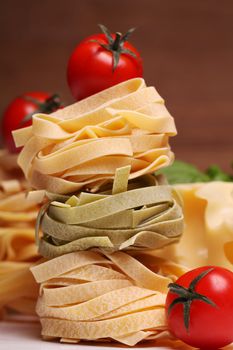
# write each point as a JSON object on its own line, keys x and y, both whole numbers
{"x": 26, "y": 336}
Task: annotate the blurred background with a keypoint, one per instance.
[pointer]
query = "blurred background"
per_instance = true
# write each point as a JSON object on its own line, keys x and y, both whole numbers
{"x": 186, "y": 46}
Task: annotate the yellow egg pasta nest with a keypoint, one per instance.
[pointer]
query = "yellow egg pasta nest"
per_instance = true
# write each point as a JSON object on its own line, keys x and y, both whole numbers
{"x": 135, "y": 215}
{"x": 17, "y": 220}
{"x": 94, "y": 295}
{"x": 82, "y": 145}
{"x": 18, "y": 290}
{"x": 18, "y": 251}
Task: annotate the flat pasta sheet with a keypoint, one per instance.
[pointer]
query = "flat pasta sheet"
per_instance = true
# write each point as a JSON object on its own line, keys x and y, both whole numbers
{"x": 208, "y": 230}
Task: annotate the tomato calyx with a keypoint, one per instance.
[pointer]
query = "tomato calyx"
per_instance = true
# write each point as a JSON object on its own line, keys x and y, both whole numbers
{"x": 116, "y": 46}
{"x": 188, "y": 295}
{"x": 51, "y": 104}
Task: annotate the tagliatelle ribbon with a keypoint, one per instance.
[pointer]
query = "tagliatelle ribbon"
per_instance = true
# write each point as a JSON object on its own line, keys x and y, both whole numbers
{"x": 138, "y": 218}
{"x": 18, "y": 290}
{"x": 82, "y": 145}
{"x": 18, "y": 251}
{"x": 95, "y": 295}
{"x": 17, "y": 219}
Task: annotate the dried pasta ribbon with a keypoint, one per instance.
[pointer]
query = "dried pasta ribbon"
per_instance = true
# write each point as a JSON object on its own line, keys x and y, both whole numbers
{"x": 17, "y": 287}
{"x": 139, "y": 218}
{"x": 82, "y": 145}
{"x": 94, "y": 295}
{"x": 17, "y": 220}
{"x": 18, "y": 290}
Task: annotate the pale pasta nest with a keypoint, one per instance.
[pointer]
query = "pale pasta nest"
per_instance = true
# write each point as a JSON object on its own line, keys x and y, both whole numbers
{"x": 82, "y": 145}
{"x": 98, "y": 296}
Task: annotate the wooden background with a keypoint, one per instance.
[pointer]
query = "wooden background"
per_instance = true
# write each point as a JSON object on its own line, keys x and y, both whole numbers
{"x": 187, "y": 47}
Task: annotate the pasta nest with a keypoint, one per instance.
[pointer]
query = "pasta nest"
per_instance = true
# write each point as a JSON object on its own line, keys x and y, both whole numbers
{"x": 142, "y": 214}
{"x": 97, "y": 296}
{"x": 82, "y": 145}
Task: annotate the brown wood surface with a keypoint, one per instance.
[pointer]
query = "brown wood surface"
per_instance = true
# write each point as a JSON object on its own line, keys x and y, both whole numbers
{"x": 187, "y": 47}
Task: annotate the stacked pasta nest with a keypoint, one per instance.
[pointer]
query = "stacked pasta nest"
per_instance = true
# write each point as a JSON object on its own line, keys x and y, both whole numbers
{"x": 18, "y": 290}
{"x": 105, "y": 210}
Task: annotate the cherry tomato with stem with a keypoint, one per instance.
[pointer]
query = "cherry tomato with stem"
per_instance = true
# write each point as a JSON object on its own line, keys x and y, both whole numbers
{"x": 19, "y": 112}
{"x": 199, "y": 307}
{"x": 101, "y": 61}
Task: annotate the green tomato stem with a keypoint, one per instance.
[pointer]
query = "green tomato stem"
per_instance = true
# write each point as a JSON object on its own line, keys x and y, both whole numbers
{"x": 117, "y": 41}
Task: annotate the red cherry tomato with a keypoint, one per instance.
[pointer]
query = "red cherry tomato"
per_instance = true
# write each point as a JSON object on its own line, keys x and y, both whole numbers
{"x": 101, "y": 61}
{"x": 18, "y": 113}
{"x": 199, "y": 307}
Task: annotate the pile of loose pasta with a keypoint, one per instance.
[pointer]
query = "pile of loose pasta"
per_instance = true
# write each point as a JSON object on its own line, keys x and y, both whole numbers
{"x": 18, "y": 251}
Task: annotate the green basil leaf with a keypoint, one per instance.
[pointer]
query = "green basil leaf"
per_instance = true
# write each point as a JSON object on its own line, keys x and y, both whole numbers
{"x": 182, "y": 172}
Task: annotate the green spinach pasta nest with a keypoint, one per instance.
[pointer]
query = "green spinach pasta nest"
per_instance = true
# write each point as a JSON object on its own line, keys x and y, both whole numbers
{"x": 135, "y": 215}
